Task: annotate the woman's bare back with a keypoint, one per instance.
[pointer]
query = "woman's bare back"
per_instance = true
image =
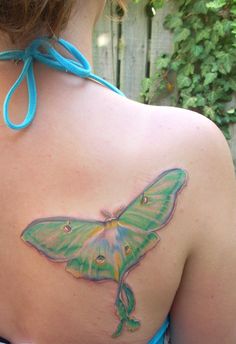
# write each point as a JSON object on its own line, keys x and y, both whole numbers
{"x": 89, "y": 150}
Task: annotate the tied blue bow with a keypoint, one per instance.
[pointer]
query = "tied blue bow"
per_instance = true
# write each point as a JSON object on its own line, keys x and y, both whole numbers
{"x": 52, "y": 58}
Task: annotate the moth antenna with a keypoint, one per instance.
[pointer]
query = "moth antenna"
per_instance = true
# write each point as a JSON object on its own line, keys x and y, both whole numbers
{"x": 106, "y": 214}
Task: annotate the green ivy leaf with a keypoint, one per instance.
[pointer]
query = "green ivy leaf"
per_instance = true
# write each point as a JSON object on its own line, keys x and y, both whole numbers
{"x": 225, "y": 130}
{"x": 197, "y": 50}
{"x": 188, "y": 44}
{"x": 157, "y": 4}
{"x": 227, "y": 25}
{"x": 175, "y": 65}
{"x": 196, "y": 23}
{"x": 190, "y": 102}
{"x": 225, "y": 64}
{"x": 202, "y": 35}
{"x": 219, "y": 28}
{"x": 209, "y": 112}
{"x": 181, "y": 35}
{"x": 232, "y": 83}
{"x": 231, "y": 111}
{"x": 163, "y": 62}
{"x": 209, "y": 46}
{"x": 200, "y": 7}
{"x": 233, "y": 10}
{"x": 216, "y": 4}
{"x": 215, "y": 95}
{"x": 196, "y": 78}
{"x": 173, "y": 21}
{"x": 183, "y": 81}
{"x": 209, "y": 78}
{"x": 201, "y": 101}
{"x": 146, "y": 83}
{"x": 188, "y": 69}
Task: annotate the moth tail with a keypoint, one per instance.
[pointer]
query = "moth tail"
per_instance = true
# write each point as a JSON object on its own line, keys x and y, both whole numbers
{"x": 129, "y": 296}
{"x": 119, "y": 329}
{"x": 125, "y": 304}
{"x": 132, "y": 324}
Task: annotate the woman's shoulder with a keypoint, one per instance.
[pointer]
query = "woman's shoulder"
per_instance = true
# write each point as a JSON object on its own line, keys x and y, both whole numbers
{"x": 201, "y": 145}
{"x": 185, "y": 138}
{"x": 172, "y": 136}
{"x": 194, "y": 134}
{"x": 180, "y": 120}
{"x": 184, "y": 122}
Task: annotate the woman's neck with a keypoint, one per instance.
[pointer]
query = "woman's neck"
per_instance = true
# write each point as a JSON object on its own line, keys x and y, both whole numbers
{"x": 79, "y": 30}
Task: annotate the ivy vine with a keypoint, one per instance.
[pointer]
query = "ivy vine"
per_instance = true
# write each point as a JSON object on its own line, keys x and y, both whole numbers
{"x": 152, "y": 5}
{"x": 201, "y": 72}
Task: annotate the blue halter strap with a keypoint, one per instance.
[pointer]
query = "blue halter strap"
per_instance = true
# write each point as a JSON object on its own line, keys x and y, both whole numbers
{"x": 51, "y": 57}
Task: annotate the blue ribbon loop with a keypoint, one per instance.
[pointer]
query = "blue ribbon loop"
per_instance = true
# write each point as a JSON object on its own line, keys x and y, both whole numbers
{"x": 52, "y": 58}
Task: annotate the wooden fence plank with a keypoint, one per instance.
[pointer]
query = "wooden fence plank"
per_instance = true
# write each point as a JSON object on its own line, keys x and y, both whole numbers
{"x": 161, "y": 39}
{"x": 105, "y": 41}
{"x": 161, "y": 42}
{"x": 133, "y": 50}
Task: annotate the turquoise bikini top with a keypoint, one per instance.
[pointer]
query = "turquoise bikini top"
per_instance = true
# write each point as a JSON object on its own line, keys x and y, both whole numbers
{"x": 51, "y": 57}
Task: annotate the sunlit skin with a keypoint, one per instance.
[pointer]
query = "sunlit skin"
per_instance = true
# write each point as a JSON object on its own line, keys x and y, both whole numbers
{"x": 90, "y": 149}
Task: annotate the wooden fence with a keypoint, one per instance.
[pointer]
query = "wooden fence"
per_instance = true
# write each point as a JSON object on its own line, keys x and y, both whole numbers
{"x": 125, "y": 52}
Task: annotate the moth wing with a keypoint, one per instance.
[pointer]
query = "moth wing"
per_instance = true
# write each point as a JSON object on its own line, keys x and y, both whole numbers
{"x": 111, "y": 254}
{"x": 60, "y": 239}
{"x": 153, "y": 208}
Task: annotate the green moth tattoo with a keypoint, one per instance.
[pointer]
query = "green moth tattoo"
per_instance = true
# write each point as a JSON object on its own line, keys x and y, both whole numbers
{"x": 107, "y": 250}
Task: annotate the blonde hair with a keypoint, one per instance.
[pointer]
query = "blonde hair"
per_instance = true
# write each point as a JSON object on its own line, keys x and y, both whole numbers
{"x": 23, "y": 19}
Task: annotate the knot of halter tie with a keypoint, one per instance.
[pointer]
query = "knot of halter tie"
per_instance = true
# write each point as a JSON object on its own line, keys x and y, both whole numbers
{"x": 52, "y": 58}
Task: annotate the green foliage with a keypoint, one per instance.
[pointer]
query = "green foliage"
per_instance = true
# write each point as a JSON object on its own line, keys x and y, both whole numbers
{"x": 152, "y": 6}
{"x": 201, "y": 73}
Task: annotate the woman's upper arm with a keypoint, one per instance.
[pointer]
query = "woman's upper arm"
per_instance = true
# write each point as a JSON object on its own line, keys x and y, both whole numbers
{"x": 204, "y": 310}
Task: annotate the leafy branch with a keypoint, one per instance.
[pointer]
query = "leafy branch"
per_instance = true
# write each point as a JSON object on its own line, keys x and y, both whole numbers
{"x": 201, "y": 73}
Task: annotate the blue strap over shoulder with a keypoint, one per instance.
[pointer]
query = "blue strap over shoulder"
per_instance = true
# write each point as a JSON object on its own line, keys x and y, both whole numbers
{"x": 51, "y": 58}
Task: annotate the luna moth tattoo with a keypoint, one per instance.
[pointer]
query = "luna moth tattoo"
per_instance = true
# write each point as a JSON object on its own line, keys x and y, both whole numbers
{"x": 107, "y": 250}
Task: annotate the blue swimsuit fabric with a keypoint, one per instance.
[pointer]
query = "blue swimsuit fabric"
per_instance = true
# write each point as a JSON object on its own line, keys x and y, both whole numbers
{"x": 42, "y": 50}
{"x": 160, "y": 335}
{"x": 4, "y": 341}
